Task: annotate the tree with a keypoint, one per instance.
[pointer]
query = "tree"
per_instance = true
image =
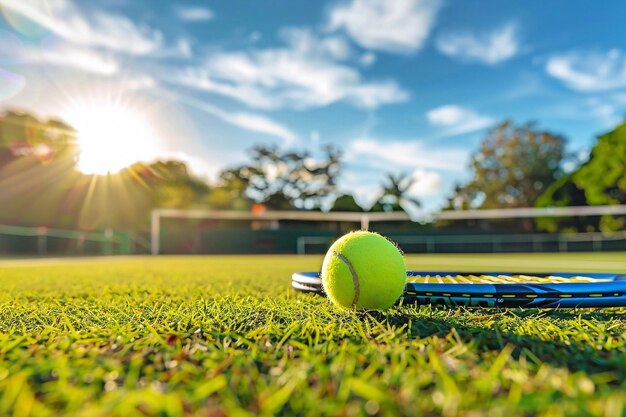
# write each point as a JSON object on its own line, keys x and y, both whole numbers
{"x": 37, "y": 171}
{"x": 346, "y": 202}
{"x": 20, "y": 128}
{"x": 285, "y": 180}
{"x": 395, "y": 195}
{"x": 230, "y": 192}
{"x": 603, "y": 177}
{"x": 125, "y": 200}
{"x": 601, "y": 180}
{"x": 512, "y": 168}
{"x": 564, "y": 193}
{"x": 174, "y": 186}
{"x": 23, "y": 134}
{"x": 40, "y": 185}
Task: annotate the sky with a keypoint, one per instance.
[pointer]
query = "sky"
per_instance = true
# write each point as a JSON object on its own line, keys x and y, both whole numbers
{"x": 401, "y": 86}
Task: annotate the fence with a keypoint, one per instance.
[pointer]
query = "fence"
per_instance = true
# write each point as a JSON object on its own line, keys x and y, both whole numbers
{"x": 489, "y": 243}
{"x": 43, "y": 241}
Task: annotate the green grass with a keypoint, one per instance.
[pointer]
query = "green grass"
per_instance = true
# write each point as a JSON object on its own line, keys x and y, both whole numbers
{"x": 211, "y": 336}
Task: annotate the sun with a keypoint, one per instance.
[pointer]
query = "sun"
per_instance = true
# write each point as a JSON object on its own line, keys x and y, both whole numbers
{"x": 111, "y": 137}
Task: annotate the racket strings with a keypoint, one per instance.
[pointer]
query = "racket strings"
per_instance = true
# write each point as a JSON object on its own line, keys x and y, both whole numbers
{"x": 501, "y": 290}
{"x": 499, "y": 279}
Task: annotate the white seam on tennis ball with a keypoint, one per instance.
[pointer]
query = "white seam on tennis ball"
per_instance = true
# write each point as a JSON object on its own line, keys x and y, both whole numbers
{"x": 355, "y": 277}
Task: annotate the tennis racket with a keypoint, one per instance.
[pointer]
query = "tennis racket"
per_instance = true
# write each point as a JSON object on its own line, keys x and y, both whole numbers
{"x": 506, "y": 290}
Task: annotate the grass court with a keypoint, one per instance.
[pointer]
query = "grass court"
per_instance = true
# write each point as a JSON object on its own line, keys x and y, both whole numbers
{"x": 225, "y": 335}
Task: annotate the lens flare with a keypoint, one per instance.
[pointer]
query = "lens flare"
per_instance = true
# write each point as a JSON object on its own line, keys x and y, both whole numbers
{"x": 111, "y": 137}
{"x": 10, "y": 84}
{"x": 22, "y": 17}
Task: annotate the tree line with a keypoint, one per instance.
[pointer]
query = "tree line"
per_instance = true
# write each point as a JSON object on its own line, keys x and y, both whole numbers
{"x": 515, "y": 165}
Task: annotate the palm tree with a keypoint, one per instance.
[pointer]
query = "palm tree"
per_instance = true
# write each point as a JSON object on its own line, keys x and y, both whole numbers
{"x": 395, "y": 193}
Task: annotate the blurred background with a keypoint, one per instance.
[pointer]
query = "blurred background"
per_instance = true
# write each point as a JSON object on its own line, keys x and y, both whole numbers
{"x": 199, "y": 126}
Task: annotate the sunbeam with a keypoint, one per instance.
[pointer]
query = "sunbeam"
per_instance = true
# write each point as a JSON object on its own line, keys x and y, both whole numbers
{"x": 111, "y": 136}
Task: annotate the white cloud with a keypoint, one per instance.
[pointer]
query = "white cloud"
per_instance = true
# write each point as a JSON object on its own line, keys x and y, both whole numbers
{"x": 488, "y": 48}
{"x": 199, "y": 79}
{"x": 262, "y": 124}
{"x": 140, "y": 82}
{"x": 64, "y": 55}
{"x": 367, "y": 59}
{"x": 194, "y": 13}
{"x": 608, "y": 110}
{"x": 369, "y": 159}
{"x": 100, "y": 29}
{"x": 182, "y": 49}
{"x": 427, "y": 183}
{"x": 591, "y": 71}
{"x": 390, "y": 154}
{"x": 364, "y": 188}
{"x": 398, "y": 26}
{"x": 603, "y": 111}
{"x": 183, "y": 46}
{"x": 247, "y": 121}
{"x": 76, "y": 57}
{"x": 458, "y": 120}
{"x": 122, "y": 34}
{"x": 307, "y": 73}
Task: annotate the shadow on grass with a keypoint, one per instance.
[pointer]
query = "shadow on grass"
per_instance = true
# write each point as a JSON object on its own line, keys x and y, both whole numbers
{"x": 565, "y": 344}
{"x": 569, "y": 314}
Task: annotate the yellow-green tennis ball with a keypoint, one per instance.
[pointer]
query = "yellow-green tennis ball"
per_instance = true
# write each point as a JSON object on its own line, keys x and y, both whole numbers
{"x": 364, "y": 270}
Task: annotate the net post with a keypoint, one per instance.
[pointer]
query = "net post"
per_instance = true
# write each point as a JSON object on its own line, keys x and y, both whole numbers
{"x": 300, "y": 246}
{"x": 365, "y": 222}
{"x": 107, "y": 242}
{"x": 597, "y": 243}
{"x": 42, "y": 241}
{"x": 155, "y": 227}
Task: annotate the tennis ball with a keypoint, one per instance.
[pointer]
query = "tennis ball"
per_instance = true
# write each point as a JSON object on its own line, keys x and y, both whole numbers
{"x": 364, "y": 270}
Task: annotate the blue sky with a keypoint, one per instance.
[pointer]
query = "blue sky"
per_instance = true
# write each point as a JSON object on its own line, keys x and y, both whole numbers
{"x": 401, "y": 86}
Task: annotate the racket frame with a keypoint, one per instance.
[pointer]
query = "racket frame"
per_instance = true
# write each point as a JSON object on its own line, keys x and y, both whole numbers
{"x": 605, "y": 290}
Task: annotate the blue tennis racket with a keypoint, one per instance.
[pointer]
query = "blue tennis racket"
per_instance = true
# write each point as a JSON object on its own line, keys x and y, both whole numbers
{"x": 502, "y": 290}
